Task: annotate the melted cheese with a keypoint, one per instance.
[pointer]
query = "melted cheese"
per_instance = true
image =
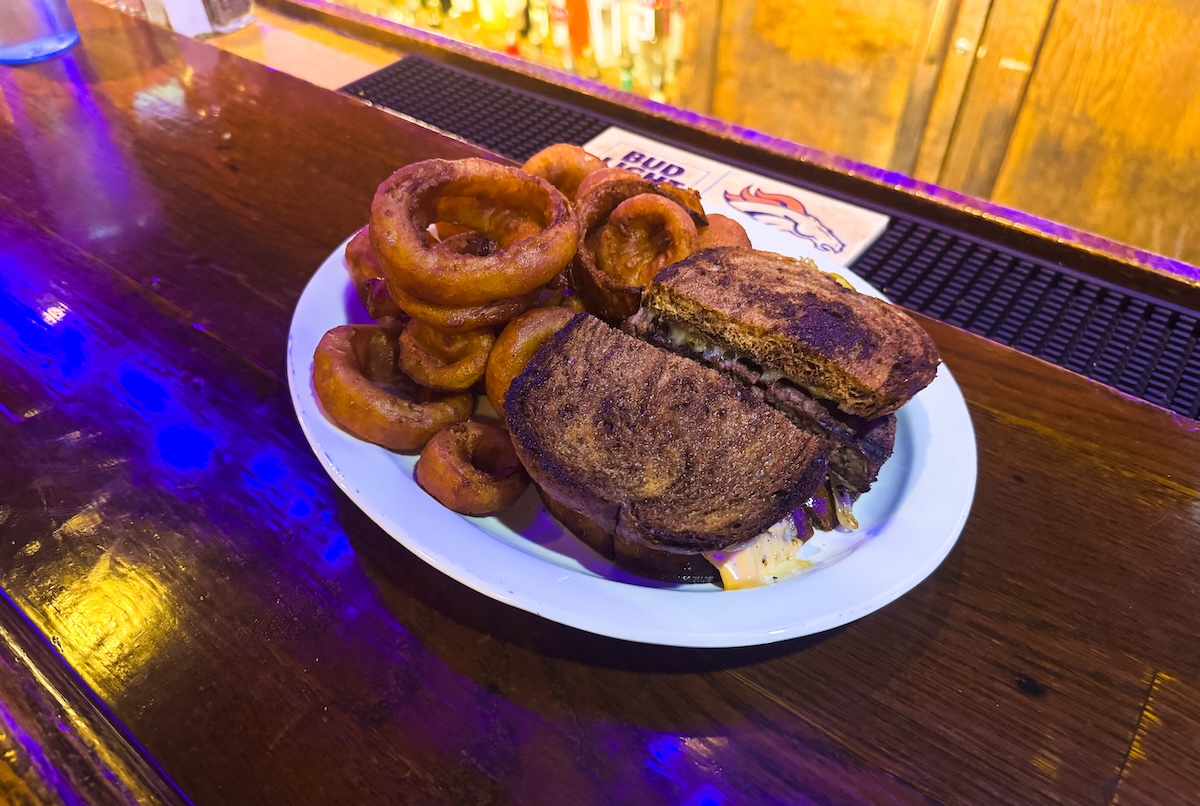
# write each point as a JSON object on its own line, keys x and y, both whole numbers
{"x": 687, "y": 338}
{"x": 842, "y": 281}
{"x": 770, "y": 557}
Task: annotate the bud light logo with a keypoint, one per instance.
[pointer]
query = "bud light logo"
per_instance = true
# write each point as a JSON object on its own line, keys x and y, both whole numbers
{"x": 785, "y": 213}
{"x": 652, "y": 168}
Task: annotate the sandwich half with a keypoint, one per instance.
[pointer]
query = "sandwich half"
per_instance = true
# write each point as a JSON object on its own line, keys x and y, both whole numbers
{"x": 634, "y": 447}
{"x": 858, "y": 354}
{"x": 836, "y": 362}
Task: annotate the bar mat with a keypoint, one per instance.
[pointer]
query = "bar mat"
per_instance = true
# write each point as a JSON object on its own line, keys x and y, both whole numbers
{"x": 1138, "y": 345}
{"x": 486, "y": 113}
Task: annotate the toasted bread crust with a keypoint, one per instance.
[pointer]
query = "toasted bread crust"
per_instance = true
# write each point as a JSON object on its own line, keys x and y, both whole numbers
{"x": 864, "y": 355}
{"x": 653, "y": 447}
{"x": 634, "y": 557}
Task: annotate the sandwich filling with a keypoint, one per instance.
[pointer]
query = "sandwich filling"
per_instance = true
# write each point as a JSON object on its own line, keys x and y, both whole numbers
{"x": 770, "y": 557}
{"x": 790, "y": 548}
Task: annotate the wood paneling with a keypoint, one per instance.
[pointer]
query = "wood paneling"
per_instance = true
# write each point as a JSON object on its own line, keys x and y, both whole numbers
{"x": 962, "y": 45}
{"x": 1004, "y": 59}
{"x": 1108, "y": 138}
{"x": 835, "y": 74}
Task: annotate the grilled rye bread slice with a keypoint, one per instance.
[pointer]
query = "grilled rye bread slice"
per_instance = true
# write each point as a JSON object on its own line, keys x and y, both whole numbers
{"x": 656, "y": 448}
{"x": 633, "y": 557}
{"x": 861, "y": 354}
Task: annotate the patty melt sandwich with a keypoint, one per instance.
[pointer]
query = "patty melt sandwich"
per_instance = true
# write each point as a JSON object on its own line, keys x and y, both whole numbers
{"x": 754, "y": 398}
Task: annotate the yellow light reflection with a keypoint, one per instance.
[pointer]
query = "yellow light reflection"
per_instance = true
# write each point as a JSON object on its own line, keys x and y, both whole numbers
{"x": 109, "y": 623}
{"x": 706, "y": 747}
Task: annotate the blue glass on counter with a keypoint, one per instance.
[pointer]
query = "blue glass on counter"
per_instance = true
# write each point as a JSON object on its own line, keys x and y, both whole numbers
{"x": 32, "y": 30}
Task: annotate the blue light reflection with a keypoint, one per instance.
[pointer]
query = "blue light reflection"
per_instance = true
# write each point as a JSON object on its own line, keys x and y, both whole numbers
{"x": 185, "y": 447}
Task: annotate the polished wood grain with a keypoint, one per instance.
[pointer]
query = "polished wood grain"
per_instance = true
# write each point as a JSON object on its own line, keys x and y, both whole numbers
{"x": 247, "y": 635}
{"x": 56, "y": 742}
{"x": 1163, "y": 764}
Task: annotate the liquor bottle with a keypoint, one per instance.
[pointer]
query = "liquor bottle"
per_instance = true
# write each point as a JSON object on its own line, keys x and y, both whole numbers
{"x": 641, "y": 44}
{"x": 560, "y": 35}
{"x": 538, "y": 34}
{"x": 517, "y": 14}
{"x": 491, "y": 25}
{"x": 577, "y": 25}
{"x": 674, "y": 33}
{"x": 607, "y": 39}
{"x": 459, "y": 19}
{"x": 427, "y": 13}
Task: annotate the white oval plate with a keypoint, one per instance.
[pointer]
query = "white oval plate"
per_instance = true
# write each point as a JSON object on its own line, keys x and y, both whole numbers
{"x": 909, "y": 520}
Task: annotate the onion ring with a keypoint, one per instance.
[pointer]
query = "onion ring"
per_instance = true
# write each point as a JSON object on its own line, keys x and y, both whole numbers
{"x": 722, "y": 231}
{"x": 564, "y": 166}
{"x": 629, "y": 184}
{"x": 367, "y": 276}
{"x": 447, "y": 362}
{"x": 349, "y": 363}
{"x": 601, "y": 176}
{"x": 643, "y": 235}
{"x": 459, "y": 319}
{"x": 686, "y": 198}
{"x": 516, "y": 345}
{"x": 472, "y": 469}
{"x": 501, "y": 225}
{"x": 627, "y": 239}
{"x": 407, "y": 203}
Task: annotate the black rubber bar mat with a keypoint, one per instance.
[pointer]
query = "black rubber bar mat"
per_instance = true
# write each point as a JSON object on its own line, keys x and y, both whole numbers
{"x": 486, "y": 113}
{"x": 1136, "y": 344}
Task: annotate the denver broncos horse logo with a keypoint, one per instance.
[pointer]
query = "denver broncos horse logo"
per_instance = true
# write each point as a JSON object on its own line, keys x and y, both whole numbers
{"x": 785, "y": 213}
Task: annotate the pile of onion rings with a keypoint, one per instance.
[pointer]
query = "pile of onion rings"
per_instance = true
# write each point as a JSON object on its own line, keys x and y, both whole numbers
{"x": 468, "y": 268}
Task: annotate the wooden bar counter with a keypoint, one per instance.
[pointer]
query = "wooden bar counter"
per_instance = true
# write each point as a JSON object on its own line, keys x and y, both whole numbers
{"x": 193, "y": 611}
